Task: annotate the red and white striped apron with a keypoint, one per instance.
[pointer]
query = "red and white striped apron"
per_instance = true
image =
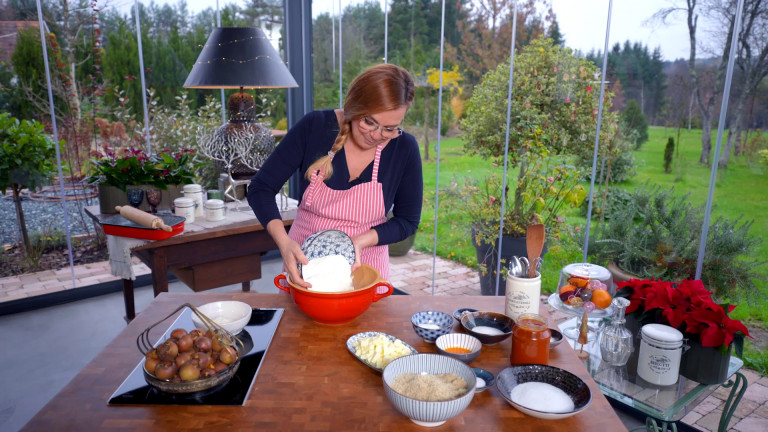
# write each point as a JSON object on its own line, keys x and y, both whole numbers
{"x": 353, "y": 211}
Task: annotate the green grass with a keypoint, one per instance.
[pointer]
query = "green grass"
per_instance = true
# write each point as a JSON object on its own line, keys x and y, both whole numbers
{"x": 740, "y": 191}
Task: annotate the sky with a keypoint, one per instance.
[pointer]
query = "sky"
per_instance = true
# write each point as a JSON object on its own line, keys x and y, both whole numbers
{"x": 583, "y": 22}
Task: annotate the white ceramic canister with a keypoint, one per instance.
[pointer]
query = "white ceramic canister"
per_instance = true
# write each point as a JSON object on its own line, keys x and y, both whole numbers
{"x": 185, "y": 207}
{"x": 215, "y": 210}
{"x": 661, "y": 348}
{"x": 195, "y": 191}
{"x": 522, "y": 296}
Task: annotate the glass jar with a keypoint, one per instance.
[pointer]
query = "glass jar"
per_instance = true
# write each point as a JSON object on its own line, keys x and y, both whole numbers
{"x": 530, "y": 340}
{"x": 661, "y": 348}
{"x": 615, "y": 340}
{"x": 185, "y": 207}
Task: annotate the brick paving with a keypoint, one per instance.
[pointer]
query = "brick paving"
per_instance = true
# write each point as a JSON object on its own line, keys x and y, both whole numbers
{"x": 413, "y": 273}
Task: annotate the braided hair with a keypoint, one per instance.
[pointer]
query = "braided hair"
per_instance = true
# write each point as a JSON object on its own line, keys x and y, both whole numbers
{"x": 380, "y": 88}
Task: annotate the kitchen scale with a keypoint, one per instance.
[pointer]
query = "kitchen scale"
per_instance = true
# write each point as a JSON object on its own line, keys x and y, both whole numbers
{"x": 256, "y": 336}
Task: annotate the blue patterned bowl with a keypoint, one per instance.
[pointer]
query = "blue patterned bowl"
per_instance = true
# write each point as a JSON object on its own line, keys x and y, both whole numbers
{"x": 572, "y": 385}
{"x": 425, "y": 413}
{"x": 327, "y": 243}
{"x": 430, "y": 325}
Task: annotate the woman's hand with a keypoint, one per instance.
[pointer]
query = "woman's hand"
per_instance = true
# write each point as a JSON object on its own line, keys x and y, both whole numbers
{"x": 290, "y": 251}
{"x": 362, "y": 241}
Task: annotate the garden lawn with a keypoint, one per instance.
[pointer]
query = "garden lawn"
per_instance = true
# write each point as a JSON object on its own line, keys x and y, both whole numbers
{"x": 740, "y": 192}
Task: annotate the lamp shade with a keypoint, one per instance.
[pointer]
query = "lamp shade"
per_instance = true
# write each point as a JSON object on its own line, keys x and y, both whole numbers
{"x": 236, "y": 57}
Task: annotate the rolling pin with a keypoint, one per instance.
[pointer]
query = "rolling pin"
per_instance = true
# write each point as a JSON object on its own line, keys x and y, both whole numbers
{"x": 142, "y": 218}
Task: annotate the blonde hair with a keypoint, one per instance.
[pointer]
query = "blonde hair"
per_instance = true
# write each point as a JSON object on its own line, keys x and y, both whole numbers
{"x": 380, "y": 88}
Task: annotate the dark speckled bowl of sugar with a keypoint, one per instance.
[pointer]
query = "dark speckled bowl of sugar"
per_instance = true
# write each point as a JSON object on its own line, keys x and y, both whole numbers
{"x": 490, "y": 327}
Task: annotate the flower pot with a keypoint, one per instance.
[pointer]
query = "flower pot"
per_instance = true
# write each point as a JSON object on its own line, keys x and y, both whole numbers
{"x": 109, "y": 197}
{"x": 705, "y": 365}
{"x": 489, "y": 255}
{"x": 403, "y": 246}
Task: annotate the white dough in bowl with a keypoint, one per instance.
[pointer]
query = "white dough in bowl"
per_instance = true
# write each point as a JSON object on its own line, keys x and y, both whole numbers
{"x": 541, "y": 396}
{"x": 330, "y": 273}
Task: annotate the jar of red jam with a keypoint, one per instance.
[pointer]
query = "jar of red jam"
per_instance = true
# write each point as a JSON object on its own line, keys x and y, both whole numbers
{"x": 530, "y": 340}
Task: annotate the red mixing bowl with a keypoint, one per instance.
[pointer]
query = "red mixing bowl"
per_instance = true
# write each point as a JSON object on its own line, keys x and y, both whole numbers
{"x": 343, "y": 307}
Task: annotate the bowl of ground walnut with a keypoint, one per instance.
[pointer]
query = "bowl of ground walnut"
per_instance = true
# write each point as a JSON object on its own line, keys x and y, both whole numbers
{"x": 429, "y": 389}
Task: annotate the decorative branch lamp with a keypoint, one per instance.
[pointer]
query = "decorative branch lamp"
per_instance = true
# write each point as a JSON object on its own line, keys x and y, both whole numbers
{"x": 240, "y": 58}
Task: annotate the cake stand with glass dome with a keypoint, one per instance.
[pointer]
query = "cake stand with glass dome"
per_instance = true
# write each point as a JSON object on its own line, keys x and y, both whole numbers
{"x": 577, "y": 292}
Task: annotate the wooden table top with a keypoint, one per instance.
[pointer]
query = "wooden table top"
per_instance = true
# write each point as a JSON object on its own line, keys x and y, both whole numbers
{"x": 308, "y": 380}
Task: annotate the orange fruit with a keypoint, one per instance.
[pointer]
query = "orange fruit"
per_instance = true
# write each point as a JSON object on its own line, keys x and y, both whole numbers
{"x": 601, "y": 298}
{"x": 578, "y": 282}
{"x": 567, "y": 287}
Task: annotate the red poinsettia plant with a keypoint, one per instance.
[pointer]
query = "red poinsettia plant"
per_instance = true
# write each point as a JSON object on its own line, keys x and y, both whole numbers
{"x": 685, "y": 305}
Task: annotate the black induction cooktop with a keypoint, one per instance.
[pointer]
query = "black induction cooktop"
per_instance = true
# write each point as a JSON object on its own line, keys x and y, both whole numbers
{"x": 256, "y": 336}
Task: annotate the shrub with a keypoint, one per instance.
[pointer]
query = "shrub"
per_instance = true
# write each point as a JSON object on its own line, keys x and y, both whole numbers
{"x": 657, "y": 234}
{"x": 669, "y": 151}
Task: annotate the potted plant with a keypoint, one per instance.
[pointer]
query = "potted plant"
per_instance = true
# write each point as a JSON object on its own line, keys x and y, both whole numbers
{"x": 117, "y": 170}
{"x": 547, "y": 187}
{"x": 553, "y": 114}
{"x": 688, "y": 306}
{"x": 655, "y": 234}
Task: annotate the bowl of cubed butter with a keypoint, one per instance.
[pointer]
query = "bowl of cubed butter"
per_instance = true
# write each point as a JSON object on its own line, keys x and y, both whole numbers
{"x": 376, "y": 349}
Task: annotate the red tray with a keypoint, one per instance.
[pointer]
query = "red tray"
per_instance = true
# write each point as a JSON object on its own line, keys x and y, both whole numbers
{"x": 119, "y": 226}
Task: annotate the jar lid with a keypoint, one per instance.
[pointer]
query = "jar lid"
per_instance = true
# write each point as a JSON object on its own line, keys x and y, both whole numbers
{"x": 214, "y": 204}
{"x": 183, "y": 202}
{"x": 662, "y": 334}
{"x": 588, "y": 271}
{"x": 193, "y": 188}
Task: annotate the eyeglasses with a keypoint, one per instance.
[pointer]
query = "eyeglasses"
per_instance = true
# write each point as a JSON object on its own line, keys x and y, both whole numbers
{"x": 370, "y": 125}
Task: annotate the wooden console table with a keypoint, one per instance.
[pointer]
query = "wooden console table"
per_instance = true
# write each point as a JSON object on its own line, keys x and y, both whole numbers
{"x": 204, "y": 257}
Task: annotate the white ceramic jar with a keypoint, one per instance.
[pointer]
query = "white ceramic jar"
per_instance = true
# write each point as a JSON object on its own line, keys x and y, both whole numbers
{"x": 196, "y": 193}
{"x": 522, "y": 296}
{"x": 185, "y": 207}
{"x": 661, "y": 348}
{"x": 215, "y": 210}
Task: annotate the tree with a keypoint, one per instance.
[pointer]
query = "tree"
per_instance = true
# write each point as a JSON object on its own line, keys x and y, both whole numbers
{"x": 27, "y": 156}
{"x": 632, "y": 118}
{"x": 486, "y": 29}
{"x": 752, "y": 60}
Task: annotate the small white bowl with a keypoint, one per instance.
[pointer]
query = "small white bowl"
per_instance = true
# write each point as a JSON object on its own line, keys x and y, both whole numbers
{"x": 231, "y": 315}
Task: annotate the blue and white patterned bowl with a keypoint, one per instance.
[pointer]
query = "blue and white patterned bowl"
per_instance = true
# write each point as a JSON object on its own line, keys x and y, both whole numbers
{"x": 484, "y": 375}
{"x": 430, "y": 325}
{"x": 327, "y": 243}
{"x": 425, "y": 413}
{"x": 572, "y": 385}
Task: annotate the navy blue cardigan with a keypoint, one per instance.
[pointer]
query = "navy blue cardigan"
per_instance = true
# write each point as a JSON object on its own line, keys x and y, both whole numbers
{"x": 311, "y": 138}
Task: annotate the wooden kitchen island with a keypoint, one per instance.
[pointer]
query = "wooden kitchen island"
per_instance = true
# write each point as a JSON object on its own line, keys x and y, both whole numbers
{"x": 307, "y": 379}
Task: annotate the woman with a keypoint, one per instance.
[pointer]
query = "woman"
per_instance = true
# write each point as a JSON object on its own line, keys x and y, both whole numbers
{"x": 356, "y": 163}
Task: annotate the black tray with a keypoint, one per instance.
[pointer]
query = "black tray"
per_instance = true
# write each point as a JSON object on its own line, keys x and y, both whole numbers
{"x": 256, "y": 336}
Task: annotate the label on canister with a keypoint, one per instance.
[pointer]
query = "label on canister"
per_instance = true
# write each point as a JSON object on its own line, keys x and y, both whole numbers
{"x": 185, "y": 207}
{"x": 661, "y": 348}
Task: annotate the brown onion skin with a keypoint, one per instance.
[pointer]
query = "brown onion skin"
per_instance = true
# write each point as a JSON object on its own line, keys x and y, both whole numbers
{"x": 219, "y": 366}
{"x": 151, "y": 363}
{"x": 165, "y": 370}
{"x": 196, "y": 333}
{"x": 189, "y": 372}
{"x": 183, "y": 358}
{"x": 177, "y": 333}
{"x": 185, "y": 343}
{"x": 203, "y": 343}
{"x": 167, "y": 351}
{"x": 202, "y": 359}
{"x": 207, "y": 373}
{"x": 228, "y": 355}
